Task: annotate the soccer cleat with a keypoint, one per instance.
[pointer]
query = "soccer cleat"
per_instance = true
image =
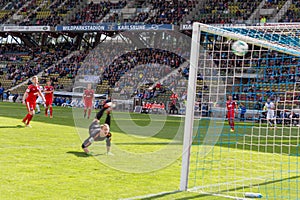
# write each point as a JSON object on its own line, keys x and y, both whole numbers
{"x": 38, "y": 112}
{"x": 89, "y": 153}
{"x": 86, "y": 151}
{"x": 51, "y": 116}
{"x": 109, "y": 153}
{"x": 28, "y": 126}
{"x": 232, "y": 130}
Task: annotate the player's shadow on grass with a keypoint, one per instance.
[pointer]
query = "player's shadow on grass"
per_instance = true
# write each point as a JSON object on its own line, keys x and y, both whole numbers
{"x": 78, "y": 153}
{"x": 17, "y": 126}
{"x": 83, "y": 154}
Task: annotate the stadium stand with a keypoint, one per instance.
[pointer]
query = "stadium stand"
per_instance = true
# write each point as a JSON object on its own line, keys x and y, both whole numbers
{"x": 95, "y": 12}
{"x": 46, "y": 12}
{"x": 222, "y": 12}
{"x": 164, "y": 12}
{"x": 21, "y": 63}
{"x": 273, "y": 4}
{"x": 63, "y": 73}
{"x": 9, "y": 8}
{"x": 293, "y": 13}
{"x": 18, "y": 66}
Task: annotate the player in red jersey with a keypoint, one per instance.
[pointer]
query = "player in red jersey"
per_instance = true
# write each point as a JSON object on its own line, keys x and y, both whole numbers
{"x": 231, "y": 106}
{"x": 88, "y": 97}
{"x": 49, "y": 93}
{"x": 29, "y": 99}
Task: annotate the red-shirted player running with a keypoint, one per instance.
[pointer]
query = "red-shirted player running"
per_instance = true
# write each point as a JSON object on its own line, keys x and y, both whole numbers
{"x": 231, "y": 106}
{"x": 88, "y": 97}
{"x": 49, "y": 93}
{"x": 29, "y": 99}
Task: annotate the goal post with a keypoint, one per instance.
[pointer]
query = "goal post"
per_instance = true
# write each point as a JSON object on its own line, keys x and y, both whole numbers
{"x": 189, "y": 120}
{"x": 256, "y": 158}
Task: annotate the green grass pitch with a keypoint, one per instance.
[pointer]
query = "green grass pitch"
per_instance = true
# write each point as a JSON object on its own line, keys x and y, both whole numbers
{"x": 46, "y": 161}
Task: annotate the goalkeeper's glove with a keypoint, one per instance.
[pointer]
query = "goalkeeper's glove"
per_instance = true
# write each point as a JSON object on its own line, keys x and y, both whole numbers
{"x": 108, "y": 135}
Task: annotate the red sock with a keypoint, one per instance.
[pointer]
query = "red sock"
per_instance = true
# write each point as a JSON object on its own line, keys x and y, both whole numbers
{"x": 89, "y": 113}
{"x": 46, "y": 111}
{"x": 51, "y": 111}
{"x": 231, "y": 123}
{"x": 26, "y": 117}
{"x": 29, "y": 119}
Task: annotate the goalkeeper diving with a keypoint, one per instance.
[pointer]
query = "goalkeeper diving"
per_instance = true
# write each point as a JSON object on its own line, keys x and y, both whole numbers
{"x": 99, "y": 132}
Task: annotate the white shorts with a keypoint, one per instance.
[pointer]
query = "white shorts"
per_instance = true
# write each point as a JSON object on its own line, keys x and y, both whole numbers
{"x": 271, "y": 115}
{"x": 39, "y": 100}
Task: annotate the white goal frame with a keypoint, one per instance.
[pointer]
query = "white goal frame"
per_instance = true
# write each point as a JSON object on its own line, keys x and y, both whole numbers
{"x": 194, "y": 60}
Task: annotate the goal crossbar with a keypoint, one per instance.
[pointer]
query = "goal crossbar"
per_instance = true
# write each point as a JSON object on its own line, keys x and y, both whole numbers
{"x": 250, "y": 40}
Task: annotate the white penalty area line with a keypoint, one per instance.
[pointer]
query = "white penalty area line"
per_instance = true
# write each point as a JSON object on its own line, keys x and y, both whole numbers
{"x": 152, "y": 195}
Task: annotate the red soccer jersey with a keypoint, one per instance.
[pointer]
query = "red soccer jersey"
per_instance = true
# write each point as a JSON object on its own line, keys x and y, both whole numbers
{"x": 49, "y": 96}
{"x": 32, "y": 91}
{"x": 88, "y": 95}
{"x": 230, "y": 105}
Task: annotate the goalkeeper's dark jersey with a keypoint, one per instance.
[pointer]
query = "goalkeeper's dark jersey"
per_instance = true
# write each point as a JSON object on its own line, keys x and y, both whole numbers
{"x": 94, "y": 129}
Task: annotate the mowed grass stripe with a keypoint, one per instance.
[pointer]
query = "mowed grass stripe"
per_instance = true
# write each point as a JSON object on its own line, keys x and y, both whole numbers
{"x": 54, "y": 166}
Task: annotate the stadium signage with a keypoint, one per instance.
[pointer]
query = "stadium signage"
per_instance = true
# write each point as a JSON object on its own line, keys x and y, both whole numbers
{"x": 82, "y": 28}
{"x": 76, "y": 94}
{"x": 185, "y": 27}
{"x": 144, "y": 27}
{"x": 115, "y": 27}
{"x": 131, "y": 27}
{"x": 26, "y": 28}
{"x": 282, "y": 24}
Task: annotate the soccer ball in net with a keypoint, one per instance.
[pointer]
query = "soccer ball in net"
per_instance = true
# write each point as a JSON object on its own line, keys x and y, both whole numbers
{"x": 239, "y": 48}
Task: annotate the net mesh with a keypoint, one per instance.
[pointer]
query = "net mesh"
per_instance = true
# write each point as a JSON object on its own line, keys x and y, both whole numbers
{"x": 257, "y": 157}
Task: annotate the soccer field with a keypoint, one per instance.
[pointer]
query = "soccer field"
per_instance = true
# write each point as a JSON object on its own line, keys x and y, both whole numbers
{"x": 46, "y": 161}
